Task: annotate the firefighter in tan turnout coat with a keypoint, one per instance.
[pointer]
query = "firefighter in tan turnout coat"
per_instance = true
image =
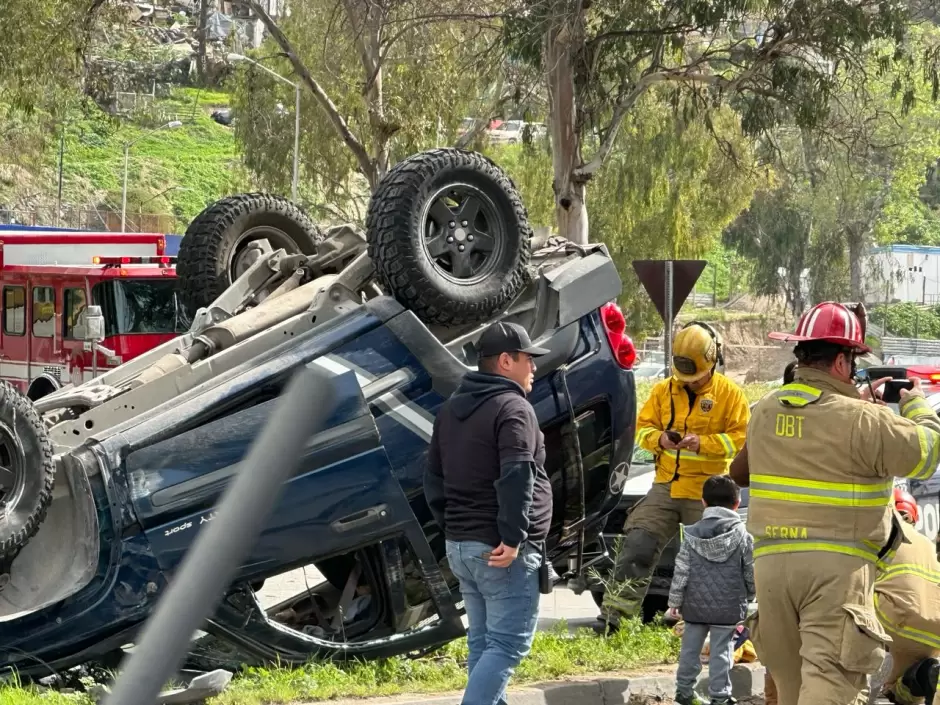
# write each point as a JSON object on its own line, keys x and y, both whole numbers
{"x": 822, "y": 459}
{"x": 907, "y": 602}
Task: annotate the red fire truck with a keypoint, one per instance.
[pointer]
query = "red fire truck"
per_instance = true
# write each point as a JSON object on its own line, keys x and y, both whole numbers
{"x": 48, "y": 279}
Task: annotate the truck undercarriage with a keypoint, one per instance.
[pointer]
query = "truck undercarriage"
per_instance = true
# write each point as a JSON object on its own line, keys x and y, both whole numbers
{"x": 133, "y": 461}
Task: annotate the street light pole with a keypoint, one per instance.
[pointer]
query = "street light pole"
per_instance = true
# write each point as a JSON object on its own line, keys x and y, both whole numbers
{"x": 296, "y": 172}
{"x": 172, "y": 124}
{"x": 58, "y": 200}
{"x": 127, "y": 149}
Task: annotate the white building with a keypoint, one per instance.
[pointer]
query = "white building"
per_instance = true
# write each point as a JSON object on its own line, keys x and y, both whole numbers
{"x": 909, "y": 273}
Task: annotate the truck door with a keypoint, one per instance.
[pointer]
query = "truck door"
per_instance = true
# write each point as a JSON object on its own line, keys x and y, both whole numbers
{"x": 46, "y": 369}
{"x": 14, "y": 343}
{"x": 74, "y": 302}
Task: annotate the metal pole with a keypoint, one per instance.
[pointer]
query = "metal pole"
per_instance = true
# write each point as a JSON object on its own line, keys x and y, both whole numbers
{"x": 124, "y": 191}
{"x": 293, "y": 186}
{"x": 94, "y": 359}
{"x": 220, "y": 548}
{"x": 667, "y": 338}
{"x": 58, "y": 200}
{"x": 715, "y": 286}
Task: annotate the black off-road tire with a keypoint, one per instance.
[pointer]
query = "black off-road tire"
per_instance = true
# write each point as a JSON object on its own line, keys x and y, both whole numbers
{"x": 396, "y": 235}
{"x": 214, "y": 238}
{"x": 21, "y": 519}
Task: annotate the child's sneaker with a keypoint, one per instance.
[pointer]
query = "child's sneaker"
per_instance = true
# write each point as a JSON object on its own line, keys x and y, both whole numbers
{"x": 688, "y": 699}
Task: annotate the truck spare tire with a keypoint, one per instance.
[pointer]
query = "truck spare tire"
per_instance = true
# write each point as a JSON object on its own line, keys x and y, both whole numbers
{"x": 214, "y": 249}
{"x": 27, "y": 472}
{"x": 449, "y": 237}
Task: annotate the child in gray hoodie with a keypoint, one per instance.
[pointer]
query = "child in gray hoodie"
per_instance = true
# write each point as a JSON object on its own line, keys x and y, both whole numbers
{"x": 712, "y": 585}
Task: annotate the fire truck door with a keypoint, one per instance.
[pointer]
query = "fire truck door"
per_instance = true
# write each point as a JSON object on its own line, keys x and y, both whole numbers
{"x": 75, "y": 299}
{"x": 14, "y": 343}
{"x": 46, "y": 363}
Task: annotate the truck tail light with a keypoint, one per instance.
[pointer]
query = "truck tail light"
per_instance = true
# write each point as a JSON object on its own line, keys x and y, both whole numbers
{"x": 115, "y": 260}
{"x": 934, "y": 377}
{"x": 615, "y": 325}
{"x": 161, "y": 260}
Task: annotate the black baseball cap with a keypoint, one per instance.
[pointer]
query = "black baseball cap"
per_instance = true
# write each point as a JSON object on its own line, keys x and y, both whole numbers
{"x": 503, "y": 337}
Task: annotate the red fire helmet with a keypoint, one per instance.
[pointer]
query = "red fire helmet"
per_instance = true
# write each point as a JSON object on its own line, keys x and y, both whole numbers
{"x": 829, "y": 321}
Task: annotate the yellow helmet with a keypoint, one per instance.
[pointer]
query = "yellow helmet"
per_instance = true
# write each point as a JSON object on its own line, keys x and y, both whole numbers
{"x": 696, "y": 351}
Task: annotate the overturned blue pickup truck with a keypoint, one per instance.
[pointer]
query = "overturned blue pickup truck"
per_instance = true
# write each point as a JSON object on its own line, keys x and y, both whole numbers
{"x": 104, "y": 486}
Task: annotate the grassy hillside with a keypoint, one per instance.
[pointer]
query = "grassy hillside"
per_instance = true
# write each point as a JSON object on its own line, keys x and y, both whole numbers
{"x": 171, "y": 171}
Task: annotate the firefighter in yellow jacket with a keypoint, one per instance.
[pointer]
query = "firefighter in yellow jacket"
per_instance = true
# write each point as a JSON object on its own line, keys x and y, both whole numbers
{"x": 822, "y": 458}
{"x": 694, "y": 423}
{"x": 907, "y": 602}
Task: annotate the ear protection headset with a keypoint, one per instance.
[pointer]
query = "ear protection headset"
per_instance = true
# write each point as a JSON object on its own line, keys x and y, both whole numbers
{"x": 719, "y": 346}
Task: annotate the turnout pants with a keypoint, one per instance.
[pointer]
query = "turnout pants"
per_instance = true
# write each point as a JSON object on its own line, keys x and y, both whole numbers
{"x": 915, "y": 638}
{"x": 651, "y": 524}
{"x": 816, "y": 629}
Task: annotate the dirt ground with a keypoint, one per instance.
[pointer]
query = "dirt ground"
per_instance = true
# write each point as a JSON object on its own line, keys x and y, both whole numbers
{"x": 750, "y": 356}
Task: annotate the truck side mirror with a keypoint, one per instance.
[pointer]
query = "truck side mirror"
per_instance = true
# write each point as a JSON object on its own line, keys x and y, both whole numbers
{"x": 94, "y": 324}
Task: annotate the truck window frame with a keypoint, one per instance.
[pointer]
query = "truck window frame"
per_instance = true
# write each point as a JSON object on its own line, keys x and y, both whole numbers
{"x": 32, "y": 328}
{"x": 67, "y": 304}
{"x": 6, "y": 316}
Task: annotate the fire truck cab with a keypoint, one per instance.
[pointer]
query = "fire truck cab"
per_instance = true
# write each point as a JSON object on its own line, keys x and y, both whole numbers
{"x": 48, "y": 280}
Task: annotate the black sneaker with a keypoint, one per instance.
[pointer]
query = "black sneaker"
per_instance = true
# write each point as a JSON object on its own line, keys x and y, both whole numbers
{"x": 723, "y": 701}
{"x": 603, "y": 627}
{"x": 688, "y": 699}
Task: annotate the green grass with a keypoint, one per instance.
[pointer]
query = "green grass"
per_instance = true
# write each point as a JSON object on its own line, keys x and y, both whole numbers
{"x": 171, "y": 171}
{"x": 555, "y": 654}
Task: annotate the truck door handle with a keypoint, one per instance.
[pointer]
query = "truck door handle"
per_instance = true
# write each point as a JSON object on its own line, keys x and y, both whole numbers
{"x": 366, "y": 516}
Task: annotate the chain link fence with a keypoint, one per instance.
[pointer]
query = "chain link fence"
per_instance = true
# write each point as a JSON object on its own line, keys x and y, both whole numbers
{"x": 90, "y": 219}
{"x": 744, "y": 364}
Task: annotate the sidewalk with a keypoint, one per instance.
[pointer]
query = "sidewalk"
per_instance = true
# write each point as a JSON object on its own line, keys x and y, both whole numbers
{"x": 656, "y": 684}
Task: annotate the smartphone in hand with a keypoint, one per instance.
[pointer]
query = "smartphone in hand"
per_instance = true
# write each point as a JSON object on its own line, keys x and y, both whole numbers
{"x": 674, "y": 436}
{"x": 891, "y": 392}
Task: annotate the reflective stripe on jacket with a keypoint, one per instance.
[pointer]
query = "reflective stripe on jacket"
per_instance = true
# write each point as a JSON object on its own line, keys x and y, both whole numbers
{"x": 821, "y": 467}
{"x": 718, "y": 414}
{"x": 907, "y": 591}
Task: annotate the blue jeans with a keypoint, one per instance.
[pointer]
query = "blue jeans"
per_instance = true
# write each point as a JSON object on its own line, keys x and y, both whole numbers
{"x": 502, "y": 607}
{"x": 720, "y": 659}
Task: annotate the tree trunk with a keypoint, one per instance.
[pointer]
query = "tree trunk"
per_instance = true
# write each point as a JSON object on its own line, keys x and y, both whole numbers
{"x": 366, "y": 20}
{"x": 561, "y": 45}
{"x": 856, "y": 241}
{"x": 203, "y": 38}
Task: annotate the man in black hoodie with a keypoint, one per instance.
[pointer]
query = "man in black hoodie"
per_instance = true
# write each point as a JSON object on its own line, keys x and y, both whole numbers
{"x": 487, "y": 488}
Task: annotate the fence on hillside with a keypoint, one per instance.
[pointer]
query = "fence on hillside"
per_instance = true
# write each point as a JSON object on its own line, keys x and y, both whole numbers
{"x": 92, "y": 219}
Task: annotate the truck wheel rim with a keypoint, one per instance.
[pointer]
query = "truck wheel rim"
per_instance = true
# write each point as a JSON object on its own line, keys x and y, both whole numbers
{"x": 11, "y": 467}
{"x": 242, "y": 258}
{"x": 463, "y": 236}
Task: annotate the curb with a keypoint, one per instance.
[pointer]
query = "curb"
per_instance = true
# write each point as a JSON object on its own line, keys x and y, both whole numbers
{"x": 747, "y": 681}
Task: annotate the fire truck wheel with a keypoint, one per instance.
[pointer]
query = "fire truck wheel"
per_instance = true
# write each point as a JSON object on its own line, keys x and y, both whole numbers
{"x": 214, "y": 251}
{"x": 27, "y": 473}
{"x": 449, "y": 237}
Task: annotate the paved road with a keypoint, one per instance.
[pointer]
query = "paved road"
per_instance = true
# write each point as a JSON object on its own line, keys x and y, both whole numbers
{"x": 562, "y": 604}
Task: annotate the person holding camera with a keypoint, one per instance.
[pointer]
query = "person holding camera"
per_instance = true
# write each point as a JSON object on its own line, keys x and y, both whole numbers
{"x": 820, "y": 461}
{"x": 694, "y": 423}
